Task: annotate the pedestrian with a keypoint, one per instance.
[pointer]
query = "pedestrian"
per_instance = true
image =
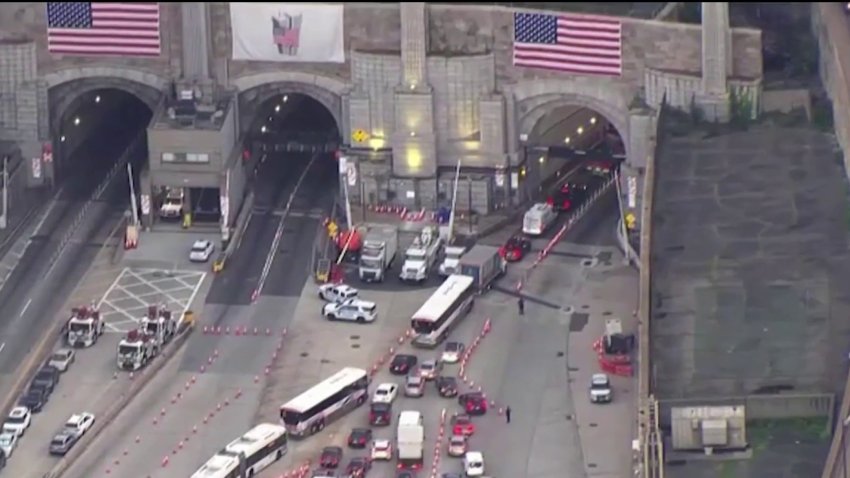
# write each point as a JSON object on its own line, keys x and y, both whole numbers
{"x": 508, "y": 414}
{"x": 521, "y": 304}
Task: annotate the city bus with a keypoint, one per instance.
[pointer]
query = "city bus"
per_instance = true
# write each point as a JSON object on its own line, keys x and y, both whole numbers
{"x": 248, "y": 455}
{"x": 309, "y": 412}
{"x": 451, "y": 302}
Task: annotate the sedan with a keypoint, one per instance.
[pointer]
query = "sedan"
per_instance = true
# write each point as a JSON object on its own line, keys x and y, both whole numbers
{"x": 382, "y": 450}
{"x": 8, "y": 442}
{"x": 453, "y": 352}
{"x": 462, "y": 425}
{"x": 331, "y": 457}
{"x": 201, "y": 251}
{"x": 385, "y": 393}
{"x": 338, "y": 293}
{"x": 62, "y": 359}
{"x": 446, "y": 386}
{"x": 358, "y": 467}
{"x": 414, "y": 387}
{"x": 18, "y": 421}
{"x": 79, "y": 423}
{"x": 429, "y": 369}
{"x": 359, "y": 437}
{"x": 402, "y": 364}
{"x": 516, "y": 247}
{"x": 457, "y": 446}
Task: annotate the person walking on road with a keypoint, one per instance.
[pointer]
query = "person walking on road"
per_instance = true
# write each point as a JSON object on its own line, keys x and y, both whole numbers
{"x": 508, "y": 415}
{"x": 521, "y": 304}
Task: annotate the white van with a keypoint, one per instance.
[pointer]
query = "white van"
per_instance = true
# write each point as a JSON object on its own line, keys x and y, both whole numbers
{"x": 473, "y": 463}
{"x": 538, "y": 219}
{"x": 410, "y": 440}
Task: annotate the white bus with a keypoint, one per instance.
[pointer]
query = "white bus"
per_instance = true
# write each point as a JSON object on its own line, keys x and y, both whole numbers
{"x": 309, "y": 412}
{"x": 248, "y": 455}
{"x": 442, "y": 311}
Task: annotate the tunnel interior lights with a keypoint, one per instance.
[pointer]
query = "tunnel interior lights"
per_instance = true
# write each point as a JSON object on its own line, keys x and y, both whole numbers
{"x": 62, "y": 138}
{"x": 77, "y": 121}
{"x": 413, "y": 134}
{"x": 97, "y": 99}
{"x": 567, "y": 140}
{"x": 285, "y": 98}
{"x": 377, "y": 143}
{"x": 580, "y": 130}
{"x": 522, "y": 172}
{"x": 541, "y": 159}
{"x": 264, "y": 129}
{"x": 277, "y": 108}
{"x": 593, "y": 120}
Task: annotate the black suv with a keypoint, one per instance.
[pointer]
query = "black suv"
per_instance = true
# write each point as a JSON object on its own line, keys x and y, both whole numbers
{"x": 446, "y": 386}
{"x": 402, "y": 364}
{"x": 380, "y": 414}
{"x": 46, "y": 378}
{"x": 35, "y": 398}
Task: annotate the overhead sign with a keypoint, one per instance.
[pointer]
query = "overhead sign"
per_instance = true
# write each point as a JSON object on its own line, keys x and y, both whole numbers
{"x": 359, "y": 136}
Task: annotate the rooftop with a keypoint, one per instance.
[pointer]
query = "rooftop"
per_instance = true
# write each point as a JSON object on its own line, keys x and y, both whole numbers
{"x": 189, "y": 114}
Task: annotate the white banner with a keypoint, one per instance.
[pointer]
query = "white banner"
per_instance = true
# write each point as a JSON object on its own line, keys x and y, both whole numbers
{"x": 146, "y": 204}
{"x": 288, "y": 32}
{"x": 631, "y": 182}
{"x": 36, "y": 168}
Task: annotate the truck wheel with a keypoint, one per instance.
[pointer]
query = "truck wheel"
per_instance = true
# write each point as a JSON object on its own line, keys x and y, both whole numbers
{"x": 331, "y": 317}
{"x": 361, "y": 320}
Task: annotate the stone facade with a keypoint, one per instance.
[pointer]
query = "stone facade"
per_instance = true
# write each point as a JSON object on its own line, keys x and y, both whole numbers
{"x": 473, "y": 104}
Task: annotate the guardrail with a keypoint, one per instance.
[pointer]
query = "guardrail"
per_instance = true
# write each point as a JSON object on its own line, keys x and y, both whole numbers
{"x": 236, "y": 237}
{"x": 45, "y": 346}
{"x": 139, "y": 383}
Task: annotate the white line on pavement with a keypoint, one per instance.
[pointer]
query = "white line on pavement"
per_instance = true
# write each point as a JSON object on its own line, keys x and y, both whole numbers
{"x": 24, "y": 310}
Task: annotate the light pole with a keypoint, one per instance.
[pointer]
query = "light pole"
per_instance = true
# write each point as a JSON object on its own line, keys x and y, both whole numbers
{"x": 623, "y": 231}
{"x": 844, "y": 425}
{"x": 5, "y": 219}
{"x": 454, "y": 203}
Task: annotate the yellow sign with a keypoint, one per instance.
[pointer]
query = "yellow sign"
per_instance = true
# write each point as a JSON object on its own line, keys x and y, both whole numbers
{"x": 631, "y": 220}
{"x": 359, "y": 136}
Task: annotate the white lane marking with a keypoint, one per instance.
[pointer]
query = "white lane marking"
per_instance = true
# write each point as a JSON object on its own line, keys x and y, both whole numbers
{"x": 23, "y": 311}
{"x": 191, "y": 298}
{"x": 2, "y": 346}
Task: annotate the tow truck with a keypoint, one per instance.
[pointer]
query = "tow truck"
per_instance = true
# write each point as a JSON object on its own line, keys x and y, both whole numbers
{"x": 85, "y": 326}
{"x": 159, "y": 324}
{"x": 136, "y": 350}
{"x": 421, "y": 256}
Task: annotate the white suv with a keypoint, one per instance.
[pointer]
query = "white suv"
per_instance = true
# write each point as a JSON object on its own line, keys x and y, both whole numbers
{"x": 354, "y": 310}
{"x": 600, "y": 388}
{"x": 18, "y": 421}
{"x": 80, "y": 423}
{"x": 337, "y": 292}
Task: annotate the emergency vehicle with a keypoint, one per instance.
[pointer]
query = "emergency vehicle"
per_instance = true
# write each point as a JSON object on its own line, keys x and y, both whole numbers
{"x": 136, "y": 350}
{"x": 85, "y": 326}
{"x": 159, "y": 324}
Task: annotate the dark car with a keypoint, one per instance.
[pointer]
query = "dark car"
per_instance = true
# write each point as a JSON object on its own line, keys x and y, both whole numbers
{"x": 515, "y": 249}
{"x": 585, "y": 180}
{"x": 46, "y": 378}
{"x": 446, "y": 386}
{"x": 565, "y": 198}
{"x": 359, "y": 437}
{"x": 380, "y": 414}
{"x": 35, "y": 398}
{"x": 402, "y": 364}
{"x": 474, "y": 403}
{"x": 358, "y": 467}
{"x": 405, "y": 474}
{"x": 331, "y": 457}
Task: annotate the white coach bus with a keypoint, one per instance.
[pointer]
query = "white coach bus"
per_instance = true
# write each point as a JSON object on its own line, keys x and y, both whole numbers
{"x": 248, "y": 455}
{"x": 309, "y": 412}
{"x": 443, "y": 311}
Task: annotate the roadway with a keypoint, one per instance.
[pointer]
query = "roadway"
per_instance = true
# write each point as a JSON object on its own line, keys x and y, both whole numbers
{"x": 39, "y": 286}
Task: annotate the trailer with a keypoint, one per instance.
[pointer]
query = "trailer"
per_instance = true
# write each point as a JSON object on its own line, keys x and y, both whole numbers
{"x": 484, "y": 264}
{"x": 378, "y": 252}
{"x": 421, "y": 257}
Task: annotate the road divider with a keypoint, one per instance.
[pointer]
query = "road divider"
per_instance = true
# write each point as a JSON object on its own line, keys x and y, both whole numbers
{"x": 141, "y": 380}
{"x": 464, "y": 362}
{"x": 237, "y": 331}
{"x": 438, "y": 446}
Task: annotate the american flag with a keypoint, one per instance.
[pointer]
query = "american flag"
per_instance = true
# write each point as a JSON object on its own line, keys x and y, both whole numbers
{"x": 89, "y": 28}
{"x": 570, "y": 43}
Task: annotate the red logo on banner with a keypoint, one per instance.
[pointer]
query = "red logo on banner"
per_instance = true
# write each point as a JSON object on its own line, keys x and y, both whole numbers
{"x": 47, "y": 153}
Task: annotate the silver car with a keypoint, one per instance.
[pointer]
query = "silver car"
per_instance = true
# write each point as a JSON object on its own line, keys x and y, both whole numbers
{"x": 429, "y": 369}
{"x": 62, "y": 359}
{"x": 414, "y": 386}
{"x": 63, "y": 442}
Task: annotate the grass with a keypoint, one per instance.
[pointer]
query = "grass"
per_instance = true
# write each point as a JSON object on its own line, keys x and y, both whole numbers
{"x": 760, "y": 433}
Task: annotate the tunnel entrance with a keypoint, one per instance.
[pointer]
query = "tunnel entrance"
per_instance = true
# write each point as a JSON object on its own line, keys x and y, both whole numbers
{"x": 91, "y": 135}
{"x": 291, "y": 132}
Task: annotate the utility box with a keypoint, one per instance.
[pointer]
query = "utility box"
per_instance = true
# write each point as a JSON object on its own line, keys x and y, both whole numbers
{"x": 708, "y": 428}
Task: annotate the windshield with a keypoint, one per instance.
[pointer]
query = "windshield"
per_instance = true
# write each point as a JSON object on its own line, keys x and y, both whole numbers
{"x": 416, "y": 255}
{"x": 290, "y": 418}
{"x": 59, "y": 357}
{"x": 382, "y": 391}
{"x": 151, "y": 327}
{"x": 421, "y": 326}
{"x": 370, "y": 263}
{"x": 199, "y": 248}
{"x": 58, "y": 441}
{"x": 126, "y": 349}
{"x": 171, "y": 201}
{"x": 453, "y": 255}
{"x": 76, "y": 327}
{"x": 599, "y": 386}
{"x": 5, "y": 440}
{"x": 15, "y": 420}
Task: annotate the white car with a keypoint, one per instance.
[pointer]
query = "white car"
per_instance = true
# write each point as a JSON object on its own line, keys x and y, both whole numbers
{"x": 382, "y": 450}
{"x": 473, "y": 463}
{"x": 62, "y": 359}
{"x": 79, "y": 423}
{"x": 18, "y": 421}
{"x": 8, "y": 442}
{"x": 600, "y": 388}
{"x": 356, "y": 310}
{"x": 201, "y": 251}
{"x": 453, "y": 352}
{"x": 385, "y": 393}
{"x": 338, "y": 293}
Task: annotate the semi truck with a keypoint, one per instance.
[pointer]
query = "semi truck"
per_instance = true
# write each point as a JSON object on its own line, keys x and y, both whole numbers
{"x": 451, "y": 260}
{"x": 159, "y": 324}
{"x": 378, "y": 252}
{"x": 410, "y": 440}
{"x": 136, "y": 349}
{"x": 484, "y": 264}
{"x": 84, "y": 326}
{"x": 421, "y": 256}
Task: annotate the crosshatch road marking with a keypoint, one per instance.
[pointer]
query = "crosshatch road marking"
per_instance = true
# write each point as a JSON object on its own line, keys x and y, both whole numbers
{"x": 129, "y": 296}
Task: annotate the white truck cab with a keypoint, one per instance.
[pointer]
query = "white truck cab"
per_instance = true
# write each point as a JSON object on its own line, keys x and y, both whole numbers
{"x": 172, "y": 205}
{"x": 451, "y": 260}
{"x": 537, "y": 219}
{"x": 600, "y": 388}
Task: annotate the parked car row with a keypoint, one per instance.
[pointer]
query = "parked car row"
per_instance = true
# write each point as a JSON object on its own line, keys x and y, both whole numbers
{"x": 34, "y": 400}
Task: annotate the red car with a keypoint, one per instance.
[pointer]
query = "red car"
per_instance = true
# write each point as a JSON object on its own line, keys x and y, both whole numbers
{"x": 515, "y": 249}
{"x": 331, "y": 456}
{"x": 473, "y": 402}
{"x": 358, "y": 467}
{"x": 462, "y": 425}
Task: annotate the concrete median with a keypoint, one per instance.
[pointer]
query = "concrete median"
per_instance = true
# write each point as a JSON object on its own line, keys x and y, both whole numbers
{"x": 104, "y": 419}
